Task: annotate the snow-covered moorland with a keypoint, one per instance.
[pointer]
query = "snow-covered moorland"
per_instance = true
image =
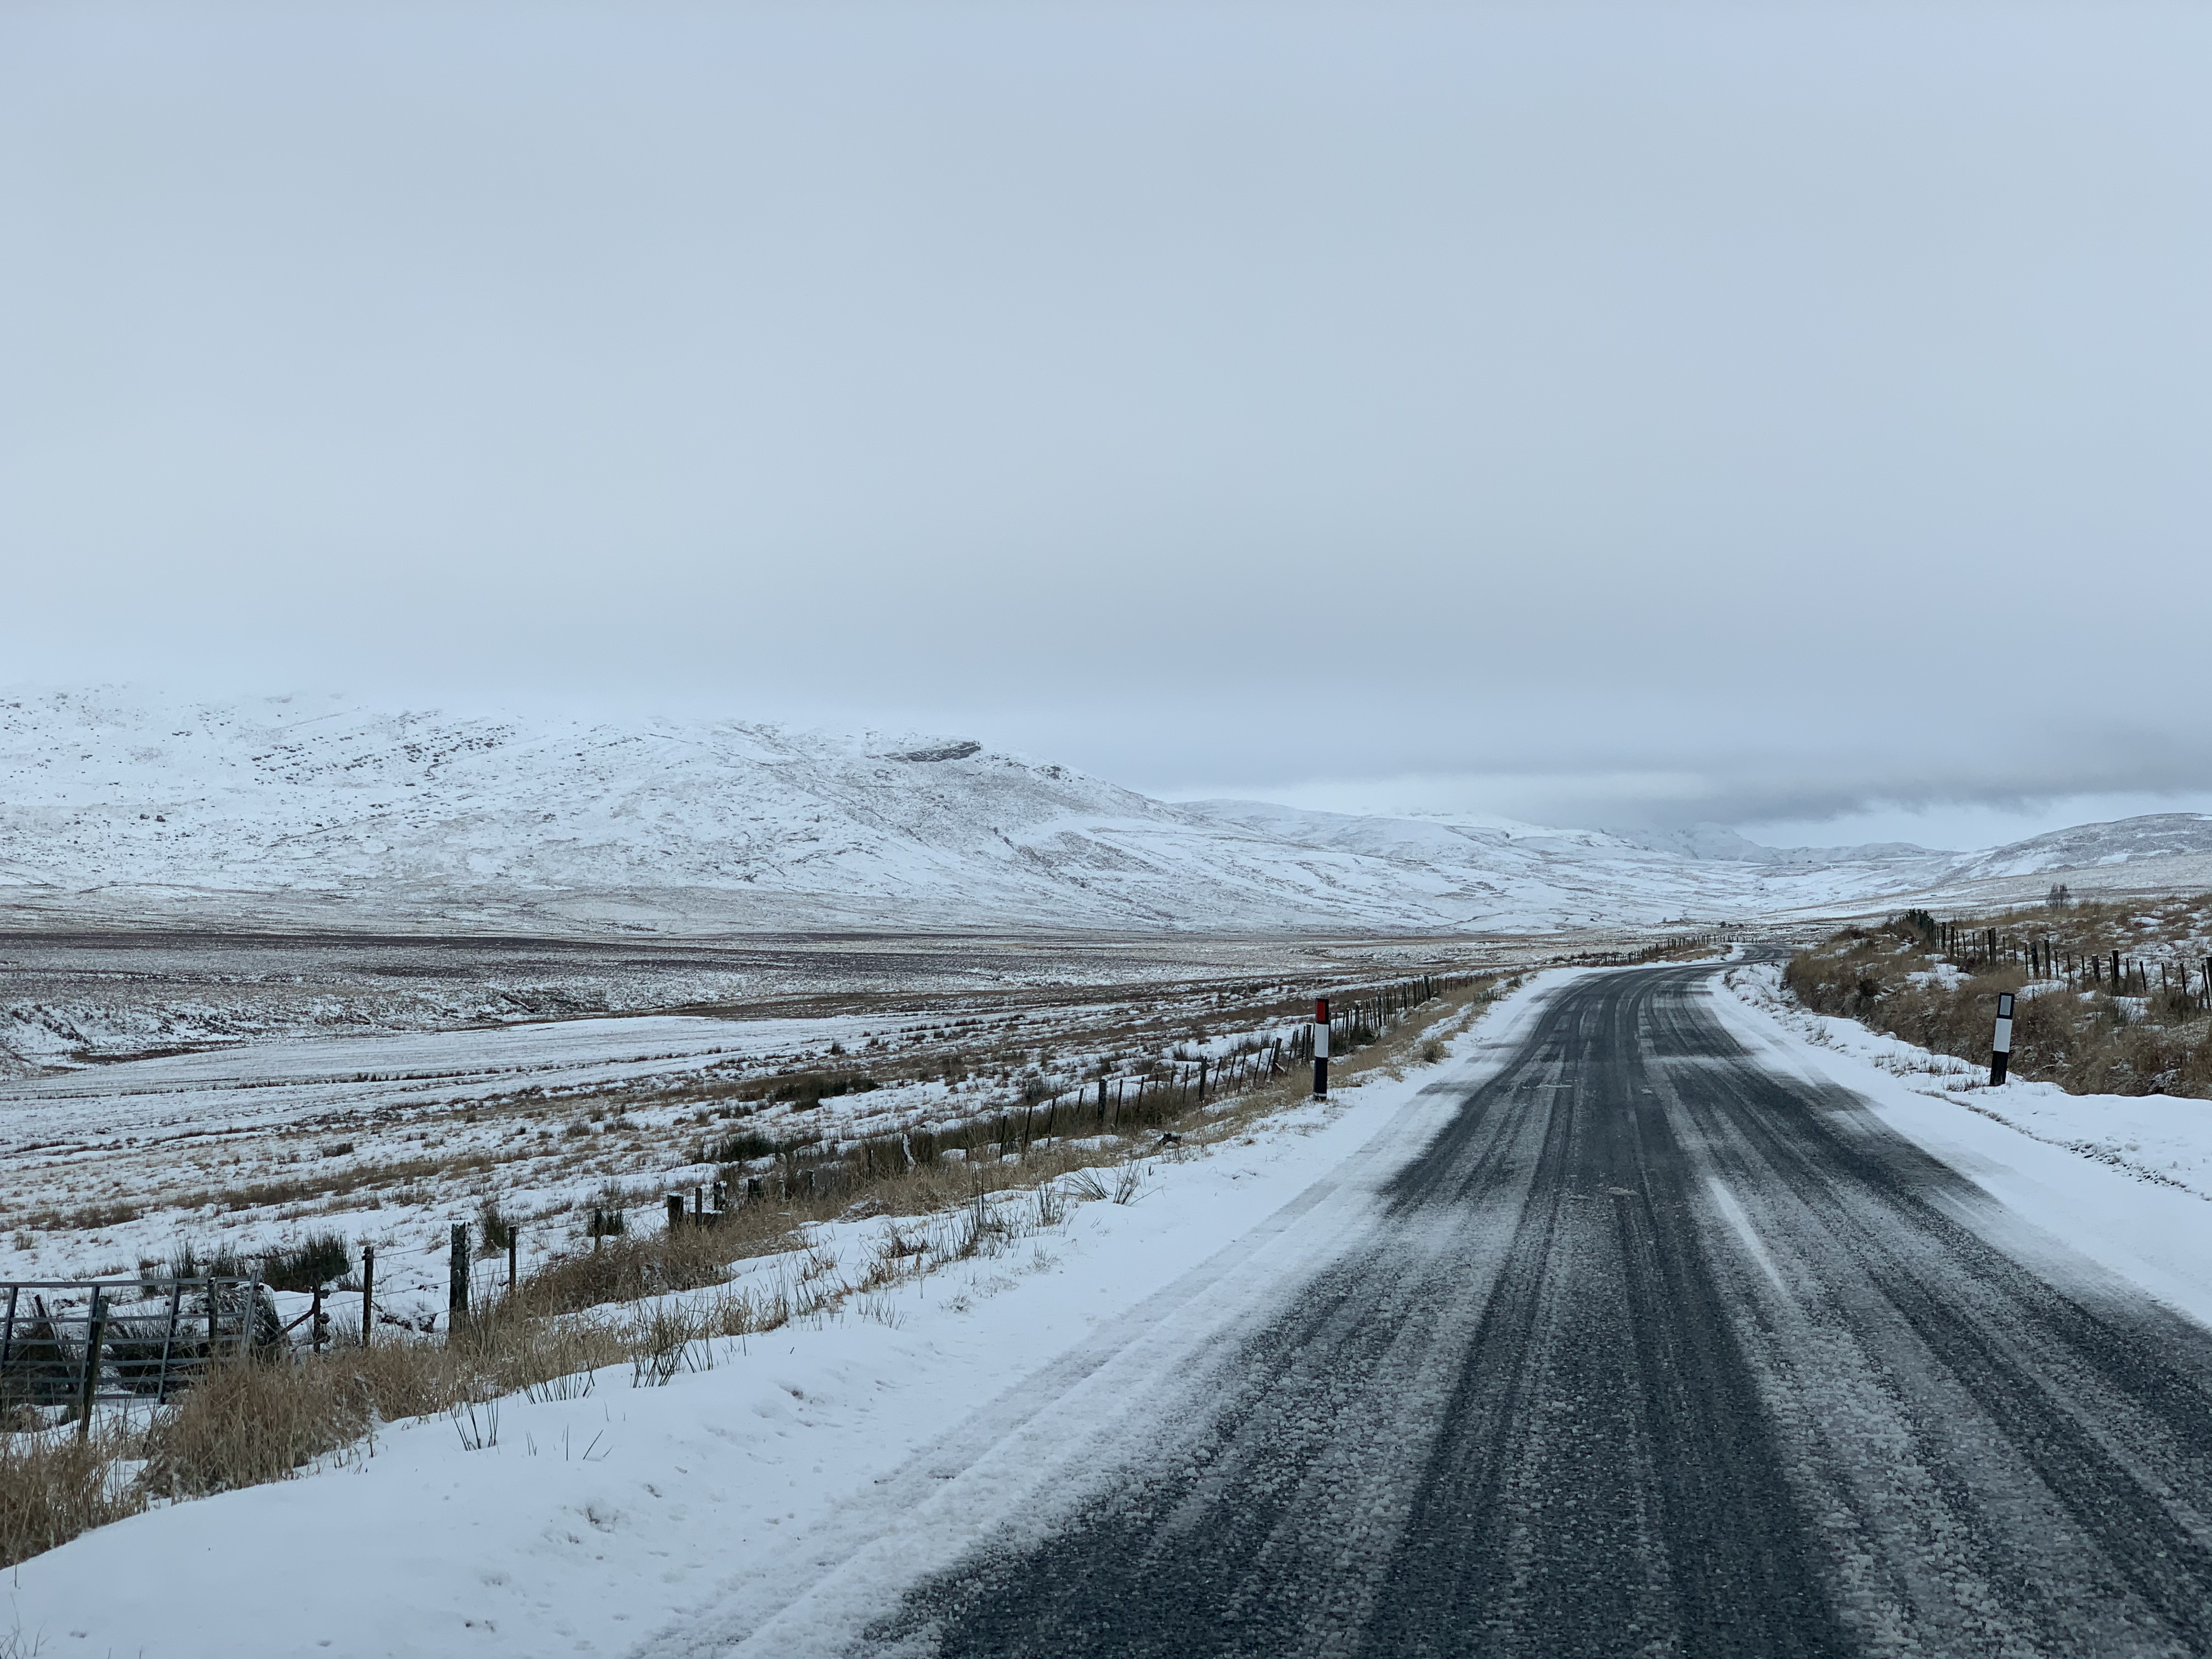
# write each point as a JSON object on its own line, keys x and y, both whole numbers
{"x": 535, "y": 1524}
{"x": 123, "y": 808}
{"x": 387, "y": 1138}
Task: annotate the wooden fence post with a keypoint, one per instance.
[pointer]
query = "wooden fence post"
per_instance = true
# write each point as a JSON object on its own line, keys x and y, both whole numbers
{"x": 368, "y": 1291}
{"x": 457, "y": 1274}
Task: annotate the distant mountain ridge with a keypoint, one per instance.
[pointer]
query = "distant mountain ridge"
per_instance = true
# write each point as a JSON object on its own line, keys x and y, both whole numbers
{"x": 117, "y": 806}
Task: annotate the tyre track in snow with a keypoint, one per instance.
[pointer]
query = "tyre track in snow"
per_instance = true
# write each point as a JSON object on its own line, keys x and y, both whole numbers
{"x": 1653, "y": 1352}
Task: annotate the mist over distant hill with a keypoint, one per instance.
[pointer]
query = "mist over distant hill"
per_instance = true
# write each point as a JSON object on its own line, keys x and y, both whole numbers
{"x": 1717, "y": 841}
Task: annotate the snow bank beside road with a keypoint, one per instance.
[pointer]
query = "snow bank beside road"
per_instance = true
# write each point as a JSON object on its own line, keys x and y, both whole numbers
{"x": 2122, "y": 1180}
{"x": 594, "y": 1521}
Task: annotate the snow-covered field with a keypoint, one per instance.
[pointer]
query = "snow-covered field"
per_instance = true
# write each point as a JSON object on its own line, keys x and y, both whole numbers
{"x": 379, "y": 1138}
{"x": 680, "y": 1519}
{"x": 389, "y": 1136}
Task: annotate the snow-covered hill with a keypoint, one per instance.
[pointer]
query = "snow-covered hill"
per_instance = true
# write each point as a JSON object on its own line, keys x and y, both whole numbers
{"x": 2097, "y": 846}
{"x": 2157, "y": 853}
{"x": 122, "y": 807}
{"x": 294, "y": 808}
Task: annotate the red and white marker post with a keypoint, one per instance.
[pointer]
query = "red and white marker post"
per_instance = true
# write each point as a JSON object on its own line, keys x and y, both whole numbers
{"x": 2001, "y": 1044}
{"x": 1321, "y": 1047}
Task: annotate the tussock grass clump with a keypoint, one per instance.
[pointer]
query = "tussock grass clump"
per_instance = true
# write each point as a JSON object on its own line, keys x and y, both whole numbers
{"x": 632, "y": 1268}
{"x": 741, "y": 1147}
{"x": 667, "y": 1339}
{"x": 318, "y": 1259}
{"x": 2073, "y": 1025}
{"x": 493, "y": 1227}
{"x": 186, "y": 1262}
{"x": 253, "y": 1421}
{"x": 246, "y": 1423}
{"x": 805, "y": 1089}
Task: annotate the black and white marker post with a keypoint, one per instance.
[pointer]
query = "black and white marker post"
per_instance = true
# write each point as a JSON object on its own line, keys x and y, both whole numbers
{"x": 2001, "y": 1044}
{"x": 1321, "y": 1047}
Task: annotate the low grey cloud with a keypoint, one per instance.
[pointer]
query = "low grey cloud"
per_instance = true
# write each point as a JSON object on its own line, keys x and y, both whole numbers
{"x": 1614, "y": 415}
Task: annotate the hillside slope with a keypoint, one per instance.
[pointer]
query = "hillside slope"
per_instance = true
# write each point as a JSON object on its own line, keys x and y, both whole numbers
{"x": 299, "y": 811}
{"x": 2092, "y": 846}
{"x": 300, "y": 808}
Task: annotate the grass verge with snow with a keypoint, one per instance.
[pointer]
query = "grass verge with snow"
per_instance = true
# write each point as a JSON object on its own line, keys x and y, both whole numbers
{"x": 2148, "y": 1031}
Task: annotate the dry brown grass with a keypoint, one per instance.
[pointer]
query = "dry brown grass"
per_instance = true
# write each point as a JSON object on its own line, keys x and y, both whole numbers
{"x": 279, "y": 1191}
{"x": 2085, "y": 1040}
{"x": 632, "y": 1267}
{"x": 1693, "y": 948}
{"x": 246, "y": 1424}
{"x": 260, "y": 1421}
{"x": 2096, "y": 927}
{"x": 54, "y": 1486}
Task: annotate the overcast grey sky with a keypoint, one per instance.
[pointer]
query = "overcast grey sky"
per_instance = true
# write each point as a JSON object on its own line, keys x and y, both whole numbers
{"x": 1788, "y": 413}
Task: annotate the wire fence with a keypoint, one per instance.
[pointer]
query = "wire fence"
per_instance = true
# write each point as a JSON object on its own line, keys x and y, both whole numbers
{"x": 1170, "y": 1088}
{"x": 2044, "y": 956}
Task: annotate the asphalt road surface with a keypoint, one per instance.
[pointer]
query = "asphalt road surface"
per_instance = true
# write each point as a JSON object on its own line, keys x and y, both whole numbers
{"x": 1655, "y": 1352}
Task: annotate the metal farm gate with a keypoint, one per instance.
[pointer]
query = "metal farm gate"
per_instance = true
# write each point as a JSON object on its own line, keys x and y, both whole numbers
{"x": 74, "y": 1342}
